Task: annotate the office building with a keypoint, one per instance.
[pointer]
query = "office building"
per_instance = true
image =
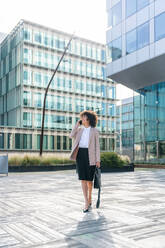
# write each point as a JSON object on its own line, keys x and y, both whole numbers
{"x": 28, "y": 56}
{"x": 135, "y": 57}
{"x": 124, "y": 127}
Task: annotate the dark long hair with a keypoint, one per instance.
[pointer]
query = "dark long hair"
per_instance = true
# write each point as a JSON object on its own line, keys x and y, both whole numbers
{"x": 92, "y": 117}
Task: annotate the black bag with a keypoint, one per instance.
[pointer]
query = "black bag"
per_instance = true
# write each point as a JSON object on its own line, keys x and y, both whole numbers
{"x": 97, "y": 184}
{"x": 97, "y": 178}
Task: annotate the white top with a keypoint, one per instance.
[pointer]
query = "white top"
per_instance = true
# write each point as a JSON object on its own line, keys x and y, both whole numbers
{"x": 84, "y": 140}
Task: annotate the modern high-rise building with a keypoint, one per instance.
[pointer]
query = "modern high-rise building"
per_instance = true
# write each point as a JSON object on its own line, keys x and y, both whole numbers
{"x": 28, "y": 56}
{"x": 124, "y": 127}
{"x": 135, "y": 57}
{"x": 2, "y": 36}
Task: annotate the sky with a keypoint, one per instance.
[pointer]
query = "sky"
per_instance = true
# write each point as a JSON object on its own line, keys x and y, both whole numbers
{"x": 87, "y": 18}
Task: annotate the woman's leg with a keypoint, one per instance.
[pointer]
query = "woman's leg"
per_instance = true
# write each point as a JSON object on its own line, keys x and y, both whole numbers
{"x": 89, "y": 184}
{"x": 85, "y": 192}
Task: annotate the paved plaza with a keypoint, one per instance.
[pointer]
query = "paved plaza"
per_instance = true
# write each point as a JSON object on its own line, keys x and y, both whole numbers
{"x": 44, "y": 209}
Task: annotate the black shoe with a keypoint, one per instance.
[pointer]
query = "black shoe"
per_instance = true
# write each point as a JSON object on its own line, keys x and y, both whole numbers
{"x": 85, "y": 210}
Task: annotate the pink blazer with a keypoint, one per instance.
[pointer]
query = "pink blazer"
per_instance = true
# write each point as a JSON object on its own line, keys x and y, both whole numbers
{"x": 93, "y": 146}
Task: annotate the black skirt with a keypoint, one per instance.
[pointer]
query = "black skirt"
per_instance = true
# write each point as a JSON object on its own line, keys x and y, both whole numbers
{"x": 83, "y": 168}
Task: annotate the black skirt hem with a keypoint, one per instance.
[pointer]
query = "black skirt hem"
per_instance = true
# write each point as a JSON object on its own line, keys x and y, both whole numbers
{"x": 83, "y": 168}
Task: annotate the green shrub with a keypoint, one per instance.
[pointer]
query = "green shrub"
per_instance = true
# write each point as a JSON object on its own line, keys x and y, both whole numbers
{"x": 28, "y": 160}
{"x": 112, "y": 159}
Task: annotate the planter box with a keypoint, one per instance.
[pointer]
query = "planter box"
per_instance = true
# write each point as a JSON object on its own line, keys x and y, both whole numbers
{"x": 35, "y": 168}
{"x": 156, "y": 166}
{"x": 125, "y": 168}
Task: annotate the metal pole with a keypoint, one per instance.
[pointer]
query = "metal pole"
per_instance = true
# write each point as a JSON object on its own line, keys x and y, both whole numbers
{"x": 46, "y": 91}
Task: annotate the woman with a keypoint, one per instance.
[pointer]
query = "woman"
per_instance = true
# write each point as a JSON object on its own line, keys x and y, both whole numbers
{"x": 86, "y": 152}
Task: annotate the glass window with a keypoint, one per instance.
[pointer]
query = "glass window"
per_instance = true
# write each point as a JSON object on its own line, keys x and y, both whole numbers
{"x": 58, "y": 142}
{"x": 109, "y": 18}
{"x": 103, "y": 108}
{"x": 37, "y": 100}
{"x": 38, "y": 38}
{"x": 27, "y": 77}
{"x": 159, "y": 26}
{"x": 142, "y": 3}
{"x": 103, "y": 55}
{"x": 37, "y": 120}
{"x": 1, "y": 140}
{"x": 142, "y": 35}
{"x": 130, "y": 7}
{"x": 46, "y": 41}
{"x": 27, "y": 119}
{"x": 114, "y": 50}
{"x": 38, "y": 79}
{"x": 51, "y": 142}
{"x": 27, "y": 35}
{"x": 115, "y": 15}
{"x": 27, "y": 141}
{"x": 45, "y": 142}
{"x": 64, "y": 142}
{"x": 17, "y": 141}
{"x": 131, "y": 41}
{"x": 27, "y": 98}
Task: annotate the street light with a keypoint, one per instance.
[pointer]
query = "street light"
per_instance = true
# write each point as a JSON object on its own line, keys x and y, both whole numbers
{"x": 46, "y": 91}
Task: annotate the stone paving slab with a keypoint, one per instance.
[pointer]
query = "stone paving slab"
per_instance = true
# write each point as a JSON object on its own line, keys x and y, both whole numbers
{"x": 44, "y": 209}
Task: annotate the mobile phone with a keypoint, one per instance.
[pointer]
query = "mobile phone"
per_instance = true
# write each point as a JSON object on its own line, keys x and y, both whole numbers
{"x": 80, "y": 121}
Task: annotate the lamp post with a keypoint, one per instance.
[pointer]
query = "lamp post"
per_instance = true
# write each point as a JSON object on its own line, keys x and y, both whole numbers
{"x": 46, "y": 91}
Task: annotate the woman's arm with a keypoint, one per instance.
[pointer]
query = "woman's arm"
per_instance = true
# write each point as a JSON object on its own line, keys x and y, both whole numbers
{"x": 97, "y": 147}
{"x": 74, "y": 130}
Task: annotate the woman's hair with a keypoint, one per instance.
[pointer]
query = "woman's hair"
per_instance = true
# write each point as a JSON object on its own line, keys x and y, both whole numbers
{"x": 91, "y": 115}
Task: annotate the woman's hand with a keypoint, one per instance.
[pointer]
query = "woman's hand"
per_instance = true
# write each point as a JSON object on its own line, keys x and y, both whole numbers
{"x": 98, "y": 164}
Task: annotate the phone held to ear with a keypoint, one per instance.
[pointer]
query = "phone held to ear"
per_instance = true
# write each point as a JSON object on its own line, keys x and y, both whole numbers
{"x": 80, "y": 121}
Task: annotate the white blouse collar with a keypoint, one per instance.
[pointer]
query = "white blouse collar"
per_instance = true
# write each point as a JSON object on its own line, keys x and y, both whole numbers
{"x": 87, "y": 127}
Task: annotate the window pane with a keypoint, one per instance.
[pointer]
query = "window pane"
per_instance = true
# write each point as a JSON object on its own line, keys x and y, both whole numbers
{"x": 116, "y": 51}
{"x": 142, "y": 3}
{"x": 159, "y": 26}
{"x": 116, "y": 14}
{"x": 109, "y": 53}
{"x": 109, "y": 18}
{"x": 130, "y": 7}
{"x": 131, "y": 41}
{"x": 142, "y": 35}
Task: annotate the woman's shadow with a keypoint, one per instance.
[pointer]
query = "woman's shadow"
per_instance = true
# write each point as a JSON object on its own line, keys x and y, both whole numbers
{"x": 87, "y": 232}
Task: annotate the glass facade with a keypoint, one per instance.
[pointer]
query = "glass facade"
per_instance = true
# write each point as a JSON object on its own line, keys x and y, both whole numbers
{"x": 125, "y": 127}
{"x": 27, "y": 60}
{"x": 137, "y": 38}
{"x": 114, "y": 50}
{"x": 52, "y": 41}
{"x": 149, "y": 123}
{"x": 159, "y": 26}
{"x": 115, "y": 15}
{"x": 133, "y": 6}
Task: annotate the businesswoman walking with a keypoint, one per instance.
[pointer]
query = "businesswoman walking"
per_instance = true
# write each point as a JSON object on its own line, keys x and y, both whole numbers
{"x": 86, "y": 152}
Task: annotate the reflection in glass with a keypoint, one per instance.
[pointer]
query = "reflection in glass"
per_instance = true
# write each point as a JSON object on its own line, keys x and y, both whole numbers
{"x": 114, "y": 50}
{"x": 142, "y": 3}
{"x": 131, "y": 41}
{"x": 130, "y": 7}
{"x": 159, "y": 26}
{"x": 142, "y": 35}
{"x": 115, "y": 15}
